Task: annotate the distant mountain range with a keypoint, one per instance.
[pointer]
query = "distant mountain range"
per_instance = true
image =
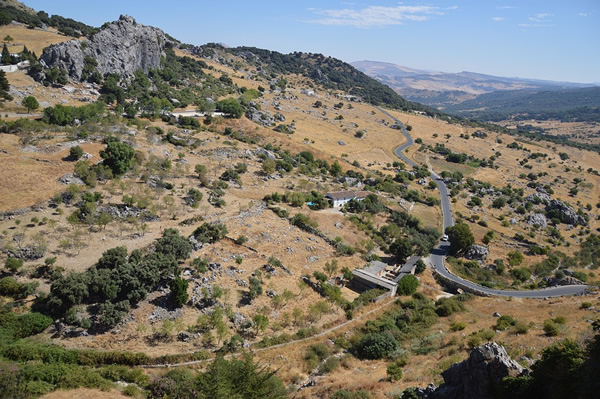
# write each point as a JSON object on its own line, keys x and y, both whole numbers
{"x": 487, "y": 97}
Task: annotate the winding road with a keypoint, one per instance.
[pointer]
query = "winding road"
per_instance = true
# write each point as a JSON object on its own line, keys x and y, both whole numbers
{"x": 438, "y": 254}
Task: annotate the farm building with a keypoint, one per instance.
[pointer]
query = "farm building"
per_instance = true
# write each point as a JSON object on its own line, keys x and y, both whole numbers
{"x": 340, "y": 198}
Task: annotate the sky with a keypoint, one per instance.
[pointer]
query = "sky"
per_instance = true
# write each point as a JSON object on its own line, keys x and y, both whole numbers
{"x": 536, "y": 39}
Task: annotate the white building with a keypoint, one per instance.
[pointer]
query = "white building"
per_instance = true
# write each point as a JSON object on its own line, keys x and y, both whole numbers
{"x": 340, "y": 198}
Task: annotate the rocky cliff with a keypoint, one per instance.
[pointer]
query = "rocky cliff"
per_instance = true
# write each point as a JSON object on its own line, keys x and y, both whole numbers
{"x": 122, "y": 47}
{"x": 479, "y": 376}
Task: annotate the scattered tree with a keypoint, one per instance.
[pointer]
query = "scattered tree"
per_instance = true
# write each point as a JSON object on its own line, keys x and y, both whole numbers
{"x": 30, "y": 103}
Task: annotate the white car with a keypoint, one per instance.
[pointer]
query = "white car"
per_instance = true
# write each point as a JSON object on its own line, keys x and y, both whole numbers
{"x": 445, "y": 237}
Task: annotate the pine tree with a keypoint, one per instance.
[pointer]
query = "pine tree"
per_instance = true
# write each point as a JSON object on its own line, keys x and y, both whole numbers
{"x": 4, "y": 88}
{"x": 6, "y": 59}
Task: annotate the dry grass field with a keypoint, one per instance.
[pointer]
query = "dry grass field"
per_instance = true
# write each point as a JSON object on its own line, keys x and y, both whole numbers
{"x": 35, "y": 39}
{"x": 30, "y": 177}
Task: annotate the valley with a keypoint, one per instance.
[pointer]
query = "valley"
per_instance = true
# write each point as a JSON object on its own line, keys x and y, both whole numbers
{"x": 166, "y": 225}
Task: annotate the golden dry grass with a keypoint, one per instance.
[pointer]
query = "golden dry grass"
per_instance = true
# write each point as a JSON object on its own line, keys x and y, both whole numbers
{"x": 30, "y": 177}
{"x": 35, "y": 39}
{"x": 84, "y": 393}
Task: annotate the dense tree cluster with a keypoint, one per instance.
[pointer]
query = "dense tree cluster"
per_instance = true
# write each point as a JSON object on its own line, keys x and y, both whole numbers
{"x": 119, "y": 281}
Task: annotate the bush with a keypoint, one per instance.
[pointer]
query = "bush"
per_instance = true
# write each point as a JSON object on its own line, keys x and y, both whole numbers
{"x": 171, "y": 243}
{"x": 505, "y": 322}
{"x": 210, "y": 233}
{"x": 551, "y": 328}
{"x": 330, "y": 365}
{"x": 75, "y": 153}
{"x": 408, "y": 285}
{"x": 458, "y": 326}
{"x": 446, "y": 306}
{"x": 394, "y": 371}
{"x": 375, "y": 346}
{"x": 13, "y": 264}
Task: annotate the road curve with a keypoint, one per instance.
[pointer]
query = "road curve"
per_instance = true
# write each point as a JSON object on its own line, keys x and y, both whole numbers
{"x": 438, "y": 254}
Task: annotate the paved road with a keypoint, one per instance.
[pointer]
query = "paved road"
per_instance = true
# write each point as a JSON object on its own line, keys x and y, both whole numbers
{"x": 438, "y": 254}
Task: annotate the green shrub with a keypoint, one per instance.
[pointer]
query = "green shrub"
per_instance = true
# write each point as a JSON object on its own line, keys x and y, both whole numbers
{"x": 329, "y": 365}
{"x": 394, "y": 371}
{"x": 505, "y": 322}
{"x": 551, "y": 328}
{"x": 446, "y": 306}
{"x": 458, "y": 326}
{"x": 407, "y": 285}
{"x": 375, "y": 346}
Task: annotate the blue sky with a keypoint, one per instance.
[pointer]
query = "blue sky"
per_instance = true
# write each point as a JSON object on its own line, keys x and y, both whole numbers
{"x": 554, "y": 40}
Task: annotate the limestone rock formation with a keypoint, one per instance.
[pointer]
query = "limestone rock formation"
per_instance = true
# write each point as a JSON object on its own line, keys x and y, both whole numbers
{"x": 477, "y": 252}
{"x": 122, "y": 47}
{"x": 537, "y": 218}
{"x": 476, "y": 377}
{"x": 566, "y": 214}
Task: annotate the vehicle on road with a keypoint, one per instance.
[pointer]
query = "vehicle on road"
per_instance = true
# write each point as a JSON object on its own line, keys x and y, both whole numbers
{"x": 445, "y": 237}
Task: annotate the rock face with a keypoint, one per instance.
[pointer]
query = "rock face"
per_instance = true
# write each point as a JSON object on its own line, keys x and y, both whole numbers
{"x": 477, "y": 252}
{"x": 537, "y": 218}
{"x": 122, "y": 47}
{"x": 478, "y": 376}
{"x": 566, "y": 214}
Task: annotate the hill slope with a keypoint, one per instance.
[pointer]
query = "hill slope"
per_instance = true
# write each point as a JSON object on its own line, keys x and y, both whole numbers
{"x": 575, "y": 105}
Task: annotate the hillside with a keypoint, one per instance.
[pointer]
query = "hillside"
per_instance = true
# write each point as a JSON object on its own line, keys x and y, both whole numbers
{"x": 573, "y": 105}
{"x": 486, "y": 97}
{"x": 165, "y": 229}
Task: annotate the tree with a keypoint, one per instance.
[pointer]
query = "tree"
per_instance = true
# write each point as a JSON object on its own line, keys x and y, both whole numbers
{"x": 8, "y": 39}
{"x": 460, "y": 237}
{"x": 231, "y": 107}
{"x": 179, "y": 294}
{"x": 6, "y": 58}
{"x": 171, "y": 243}
{"x": 401, "y": 248}
{"x": 375, "y": 345}
{"x": 268, "y": 166}
{"x": 261, "y": 322}
{"x": 4, "y": 88}
{"x": 336, "y": 169}
{"x": 75, "y": 152}
{"x": 331, "y": 267}
{"x": 420, "y": 266}
{"x": 408, "y": 285}
{"x": 118, "y": 157}
{"x": 30, "y": 103}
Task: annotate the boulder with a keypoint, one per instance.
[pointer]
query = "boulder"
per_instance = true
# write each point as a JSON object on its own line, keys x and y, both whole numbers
{"x": 537, "y": 218}
{"x": 477, "y": 252}
{"x": 267, "y": 153}
{"x": 122, "y": 47}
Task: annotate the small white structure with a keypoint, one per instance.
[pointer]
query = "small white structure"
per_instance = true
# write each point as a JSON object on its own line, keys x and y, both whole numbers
{"x": 340, "y": 198}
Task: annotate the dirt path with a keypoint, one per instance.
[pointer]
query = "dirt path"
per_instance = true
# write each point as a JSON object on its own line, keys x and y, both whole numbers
{"x": 321, "y": 334}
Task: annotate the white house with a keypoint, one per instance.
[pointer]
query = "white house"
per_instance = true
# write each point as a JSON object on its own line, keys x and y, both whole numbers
{"x": 340, "y": 198}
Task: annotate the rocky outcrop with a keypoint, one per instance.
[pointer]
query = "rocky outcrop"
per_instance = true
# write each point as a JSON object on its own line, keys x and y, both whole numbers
{"x": 479, "y": 376}
{"x": 477, "y": 252}
{"x": 566, "y": 214}
{"x": 122, "y": 47}
{"x": 566, "y": 280}
{"x": 539, "y": 197}
{"x": 537, "y": 218}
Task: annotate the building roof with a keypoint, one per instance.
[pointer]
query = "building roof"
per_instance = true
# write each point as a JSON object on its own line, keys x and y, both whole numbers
{"x": 344, "y": 195}
{"x": 341, "y": 195}
{"x": 371, "y": 278}
{"x": 362, "y": 194}
{"x": 375, "y": 267}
